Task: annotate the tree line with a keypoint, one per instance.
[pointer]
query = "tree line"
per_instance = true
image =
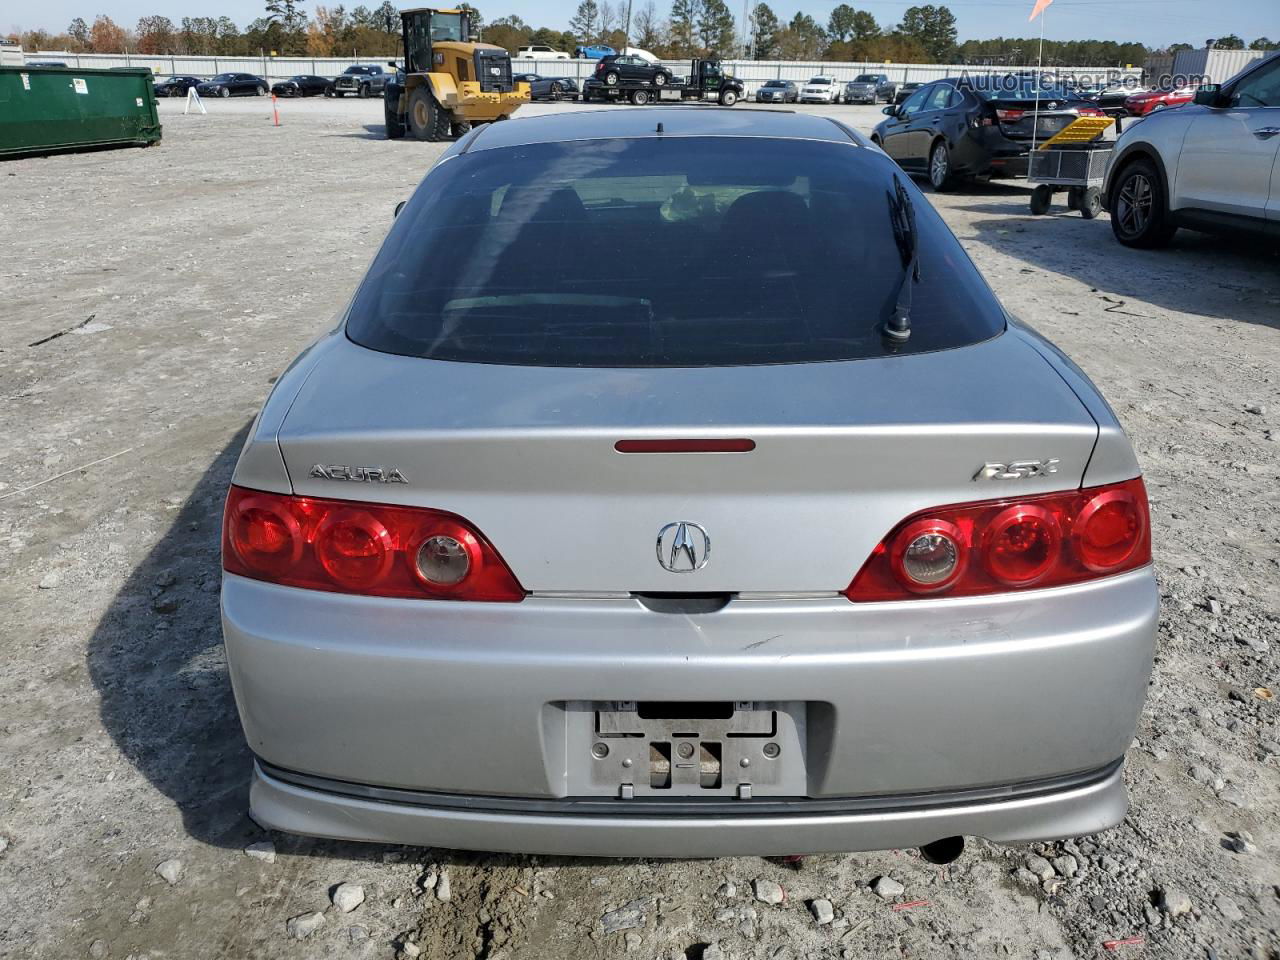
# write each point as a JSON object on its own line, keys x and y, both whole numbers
{"x": 284, "y": 30}
{"x": 926, "y": 34}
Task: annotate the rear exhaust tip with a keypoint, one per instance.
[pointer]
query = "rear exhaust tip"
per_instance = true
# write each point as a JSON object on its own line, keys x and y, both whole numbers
{"x": 944, "y": 851}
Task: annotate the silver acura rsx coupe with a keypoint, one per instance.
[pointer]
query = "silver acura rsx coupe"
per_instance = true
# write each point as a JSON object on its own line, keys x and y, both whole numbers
{"x": 608, "y": 521}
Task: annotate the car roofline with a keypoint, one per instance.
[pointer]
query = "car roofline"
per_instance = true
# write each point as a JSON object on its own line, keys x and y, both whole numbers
{"x": 622, "y": 127}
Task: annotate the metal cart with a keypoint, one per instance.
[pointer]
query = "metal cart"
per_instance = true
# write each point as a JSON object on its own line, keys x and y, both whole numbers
{"x": 1079, "y": 167}
{"x": 1075, "y": 158}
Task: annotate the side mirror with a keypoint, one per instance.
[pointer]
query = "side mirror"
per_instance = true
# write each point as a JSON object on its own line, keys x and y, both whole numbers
{"x": 890, "y": 111}
{"x": 391, "y": 63}
{"x": 399, "y": 207}
{"x": 1207, "y": 94}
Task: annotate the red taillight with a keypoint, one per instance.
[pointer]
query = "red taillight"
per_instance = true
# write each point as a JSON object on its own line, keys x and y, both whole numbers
{"x": 364, "y": 548}
{"x": 1010, "y": 115}
{"x": 1001, "y": 545}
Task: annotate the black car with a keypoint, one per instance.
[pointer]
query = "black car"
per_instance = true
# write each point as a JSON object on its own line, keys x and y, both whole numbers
{"x": 906, "y": 90}
{"x": 45, "y": 63}
{"x": 1110, "y": 100}
{"x": 548, "y": 88}
{"x": 233, "y": 85}
{"x": 175, "y": 86}
{"x": 778, "y": 91}
{"x": 303, "y": 85}
{"x": 625, "y": 67}
{"x": 363, "y": 80}
{"x": 975, "y": 126}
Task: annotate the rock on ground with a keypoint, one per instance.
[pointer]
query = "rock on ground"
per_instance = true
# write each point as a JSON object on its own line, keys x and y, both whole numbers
{"x": 627, "y": 916}
{"x": 304, "y": 925}
{"x": 768, "y": 891}
{"x": 886, "y": 888}
{"x": 263, "y": 850}
{"x": 348, "y": 896}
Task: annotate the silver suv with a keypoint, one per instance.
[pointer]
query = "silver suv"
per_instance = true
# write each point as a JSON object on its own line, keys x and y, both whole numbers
{"x": 1206, "y": 165}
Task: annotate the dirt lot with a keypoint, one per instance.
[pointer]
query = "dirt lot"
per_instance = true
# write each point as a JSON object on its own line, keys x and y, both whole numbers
{"x": 150, "y": 297}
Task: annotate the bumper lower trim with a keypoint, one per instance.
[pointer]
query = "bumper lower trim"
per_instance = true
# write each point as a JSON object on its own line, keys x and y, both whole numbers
{"x": 1046, "y": 810}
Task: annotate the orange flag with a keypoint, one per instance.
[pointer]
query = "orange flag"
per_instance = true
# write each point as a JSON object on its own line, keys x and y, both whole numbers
{"x": 1038, "y": 9}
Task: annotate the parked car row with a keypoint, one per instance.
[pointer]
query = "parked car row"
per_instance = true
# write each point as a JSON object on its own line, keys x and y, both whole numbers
{"x": 1207, "y": 165}
{"x": 975, "y": 126}
{"x": 360, "y": 80}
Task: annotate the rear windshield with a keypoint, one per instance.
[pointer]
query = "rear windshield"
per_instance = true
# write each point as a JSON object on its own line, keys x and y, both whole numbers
{"x": 651, "y": 252}
{"x": 1015, "y": 88}
{"x": 866, "y": 78}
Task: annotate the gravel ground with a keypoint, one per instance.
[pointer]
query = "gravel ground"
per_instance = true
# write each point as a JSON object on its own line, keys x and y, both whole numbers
{"x": 150, "y": 298}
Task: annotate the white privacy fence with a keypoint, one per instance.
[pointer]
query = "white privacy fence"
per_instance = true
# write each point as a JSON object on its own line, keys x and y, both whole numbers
{"x": 752, "y": 72}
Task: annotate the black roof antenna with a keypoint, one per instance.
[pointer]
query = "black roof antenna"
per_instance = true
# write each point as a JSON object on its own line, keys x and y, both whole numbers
{"x": 902, "y": 215}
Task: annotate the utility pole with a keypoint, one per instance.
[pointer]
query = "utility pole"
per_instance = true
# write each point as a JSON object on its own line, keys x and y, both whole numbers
{"x": 626, "y": 31}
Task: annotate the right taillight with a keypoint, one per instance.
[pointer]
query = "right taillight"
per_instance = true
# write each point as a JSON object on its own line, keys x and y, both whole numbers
{"x": 363, "y": 548}
{"x": 1010, "y": 115}
{"x": 997, "y": 546}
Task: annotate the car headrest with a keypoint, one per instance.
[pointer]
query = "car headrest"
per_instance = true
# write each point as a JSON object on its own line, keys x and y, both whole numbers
{"x": 533, "y": 202}
{"x": 777, "y": 213}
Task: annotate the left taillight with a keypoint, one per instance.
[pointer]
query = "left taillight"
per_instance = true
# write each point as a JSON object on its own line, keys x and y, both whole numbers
{"x": 364, "y": 548}
{"x": 998, "y": 546}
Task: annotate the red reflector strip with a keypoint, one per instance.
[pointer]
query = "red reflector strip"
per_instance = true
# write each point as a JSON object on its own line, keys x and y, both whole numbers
{"x": 685, "y": 446}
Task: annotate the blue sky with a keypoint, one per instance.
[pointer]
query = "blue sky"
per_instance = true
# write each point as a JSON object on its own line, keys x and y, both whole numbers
{"x": 1153, "y": 22}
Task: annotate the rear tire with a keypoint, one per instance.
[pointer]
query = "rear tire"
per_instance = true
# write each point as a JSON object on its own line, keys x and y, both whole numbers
{"x": 262, "y": 91}
{"x": 392, "y": 121}
{"x": 610, "y": 79}
{"x": 728, "y": 98}
{"x": 1041, "y": 199}
{"x": 639, "y": 97}
{"x": 659, "y": 79}
{"x": 1139, "y": 214}
{"x": 1091, "y": 203}
{"x": 224, "y": 92}
{"x": 427, "y": 120}
{"x": 363, "y": 93}
{"x": 940, "y": 175}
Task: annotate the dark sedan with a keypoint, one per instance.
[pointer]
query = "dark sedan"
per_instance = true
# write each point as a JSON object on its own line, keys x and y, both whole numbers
{"x": 233, "y": 85}
{"x": 975, "y": 126}
{"x": 175, "y": 86}
{"x": 778, "y": 91}
{"x": 548, "y": 88}
{"x": 905, "y": 91}
{"x": 303, "y": 85}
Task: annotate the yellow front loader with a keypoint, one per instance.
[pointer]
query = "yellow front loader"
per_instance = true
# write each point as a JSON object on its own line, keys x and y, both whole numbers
{"x": 449, "y": 81}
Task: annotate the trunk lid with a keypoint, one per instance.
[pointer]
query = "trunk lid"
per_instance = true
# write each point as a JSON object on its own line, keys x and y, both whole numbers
{"x": 1018, "y": 120}
{"x": 843, "y": 452}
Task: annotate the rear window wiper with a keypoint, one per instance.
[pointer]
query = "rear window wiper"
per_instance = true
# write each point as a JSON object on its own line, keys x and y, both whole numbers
{"x": 902, "y": 216}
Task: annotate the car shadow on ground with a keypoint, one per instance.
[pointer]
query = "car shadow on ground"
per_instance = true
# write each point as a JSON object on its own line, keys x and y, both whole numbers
{"x": 157, "y": 662}
{"x": 1235, "y": 277}
{"x": 372, "y": 131}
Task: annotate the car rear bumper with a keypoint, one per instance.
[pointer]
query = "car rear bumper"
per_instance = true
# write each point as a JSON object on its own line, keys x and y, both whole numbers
{"x": 1017, "y": 814}
{"x": 468, "y": 699}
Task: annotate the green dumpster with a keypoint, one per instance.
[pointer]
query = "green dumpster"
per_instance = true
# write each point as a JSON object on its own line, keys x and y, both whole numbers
{"x": 48, "y": 109}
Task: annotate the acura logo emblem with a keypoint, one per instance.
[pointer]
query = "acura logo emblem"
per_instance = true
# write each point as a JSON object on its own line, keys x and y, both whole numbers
{"x": 683, "y": 547}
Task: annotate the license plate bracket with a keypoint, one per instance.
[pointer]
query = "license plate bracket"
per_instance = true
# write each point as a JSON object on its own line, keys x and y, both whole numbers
{"x": 743, "y": 749}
